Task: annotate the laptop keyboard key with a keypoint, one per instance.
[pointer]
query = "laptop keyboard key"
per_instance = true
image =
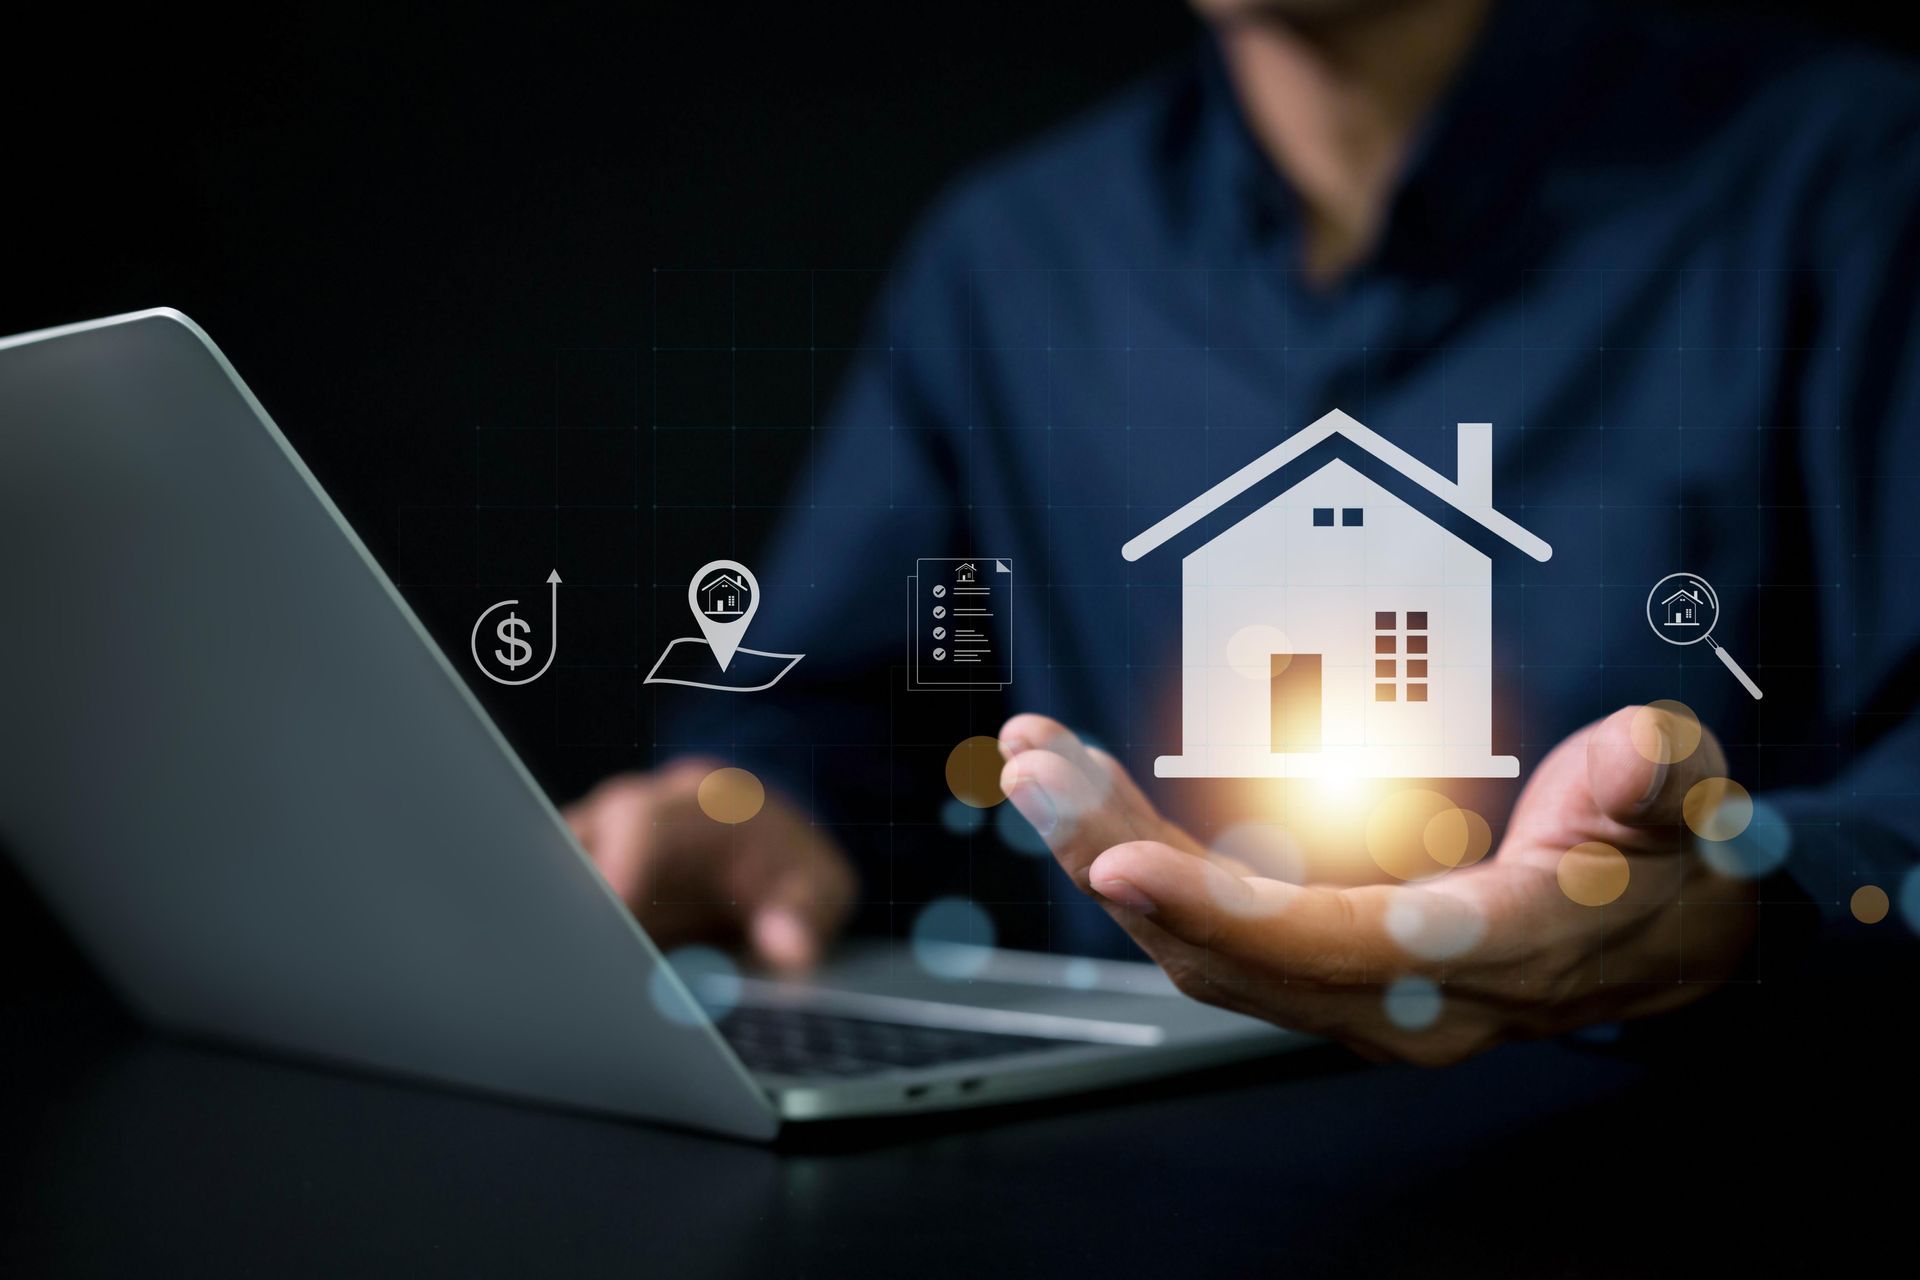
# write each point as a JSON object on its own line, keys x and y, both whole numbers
{"x": 805, "y": 1042}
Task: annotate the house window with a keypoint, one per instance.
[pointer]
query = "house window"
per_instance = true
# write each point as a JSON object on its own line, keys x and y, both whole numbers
{"x": 1351, "y": 516}
{"x": 1323, "y": 517}
{"x": 1389, "y": 686}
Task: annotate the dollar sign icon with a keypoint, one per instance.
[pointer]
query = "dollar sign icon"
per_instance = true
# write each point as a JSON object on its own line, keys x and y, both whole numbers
{"x": 513, "y": 631}
{"x": 519, "y": 652}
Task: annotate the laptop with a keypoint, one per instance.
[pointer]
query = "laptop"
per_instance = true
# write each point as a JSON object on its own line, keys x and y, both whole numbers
{"x": 240, "y": 771}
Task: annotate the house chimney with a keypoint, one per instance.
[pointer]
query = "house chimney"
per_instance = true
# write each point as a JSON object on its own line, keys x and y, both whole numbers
{"x": 1473, "y": 468}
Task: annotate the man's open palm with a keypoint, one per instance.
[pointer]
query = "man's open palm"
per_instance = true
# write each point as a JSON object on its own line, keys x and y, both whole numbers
{"x": 1513, "y": 953}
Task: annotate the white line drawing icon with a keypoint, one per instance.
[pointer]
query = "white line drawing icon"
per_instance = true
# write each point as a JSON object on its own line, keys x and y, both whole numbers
{"x": 512, "y": 632}
{"x": 1369, "y": 624}
{"x": 960, "y": 621}
{"x": 723, "y": 596}
{"x": 1682, "y": 609}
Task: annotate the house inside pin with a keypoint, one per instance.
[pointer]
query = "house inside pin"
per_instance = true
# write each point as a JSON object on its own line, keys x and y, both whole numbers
{"x": 723, "y": 595}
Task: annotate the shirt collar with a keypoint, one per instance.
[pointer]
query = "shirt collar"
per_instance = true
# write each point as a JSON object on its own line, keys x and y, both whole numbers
{"x": 1468, "y": 169}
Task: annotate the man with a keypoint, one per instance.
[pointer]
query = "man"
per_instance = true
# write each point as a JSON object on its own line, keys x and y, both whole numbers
{"x": 1674, "y": 265}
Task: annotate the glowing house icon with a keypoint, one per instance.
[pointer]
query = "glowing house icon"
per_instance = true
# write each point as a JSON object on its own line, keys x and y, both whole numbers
{"x": 1336, "y": 629}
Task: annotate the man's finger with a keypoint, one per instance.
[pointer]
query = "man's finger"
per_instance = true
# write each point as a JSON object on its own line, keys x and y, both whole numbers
{"x": 618, "y": 836}
{"x": 579, "y": 820}
{"x": 793, "y": 915}
{"x": 787, "y": 931}
{"x": 1026, "y": 731}
{"x": 1029, "y": 732}
{"x": 1071, "y": 813}
{"x": 1640, "y": 768}
{"x": 1078, "y": 799}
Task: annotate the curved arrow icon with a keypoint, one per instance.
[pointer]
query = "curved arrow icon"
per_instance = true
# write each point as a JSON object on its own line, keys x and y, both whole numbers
{"x": 553, "y": 580}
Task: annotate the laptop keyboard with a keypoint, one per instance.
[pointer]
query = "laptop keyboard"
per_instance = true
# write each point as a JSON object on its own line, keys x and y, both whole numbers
{"x": 806, "y": 1042}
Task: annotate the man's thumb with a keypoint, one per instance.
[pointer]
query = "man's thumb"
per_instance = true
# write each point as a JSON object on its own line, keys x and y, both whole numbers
{"x": 1642, "y": 761}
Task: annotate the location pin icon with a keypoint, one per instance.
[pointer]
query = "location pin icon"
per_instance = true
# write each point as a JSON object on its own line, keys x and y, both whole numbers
{"x": 723, "y": 596}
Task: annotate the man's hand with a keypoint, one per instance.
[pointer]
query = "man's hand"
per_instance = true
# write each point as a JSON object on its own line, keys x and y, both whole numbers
{"x": 1515, "y": 955}
{"x": 773, "y": 883}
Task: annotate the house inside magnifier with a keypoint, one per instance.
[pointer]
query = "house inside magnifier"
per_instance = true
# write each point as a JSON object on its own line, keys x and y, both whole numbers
{"x": 1683, "y": 608}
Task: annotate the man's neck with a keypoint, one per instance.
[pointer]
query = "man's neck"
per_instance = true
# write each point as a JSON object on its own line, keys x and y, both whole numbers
{"x": 1335, "y": 103}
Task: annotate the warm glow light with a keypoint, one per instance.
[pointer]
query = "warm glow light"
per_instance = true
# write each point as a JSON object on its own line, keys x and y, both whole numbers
{"x": 1324, "y": 819}
{"x": 1717, "y": 808}
{"x": 1593, "y": 874}
{"x": 731, "y": 796}
{"x": 1457, "y": 837}
{"x": 973, "y": 772}
{"x": 1399, "y": 839}
{"x": 1869, "y": 904}
{"x": 1341, "y": 781}
{"x": 1665, "y": 731}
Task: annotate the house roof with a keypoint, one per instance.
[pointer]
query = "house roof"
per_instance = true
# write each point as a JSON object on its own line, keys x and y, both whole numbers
{"x": 1334, "y": 423}
{"x": 1682, "y": 592}
{"x": 725, "y": 579}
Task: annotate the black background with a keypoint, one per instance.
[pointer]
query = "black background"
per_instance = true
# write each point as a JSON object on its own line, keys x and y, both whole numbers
{"x": 430, "y": 237}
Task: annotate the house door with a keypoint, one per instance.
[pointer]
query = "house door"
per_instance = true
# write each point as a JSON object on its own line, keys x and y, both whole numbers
{"x": 1295, "y": 689}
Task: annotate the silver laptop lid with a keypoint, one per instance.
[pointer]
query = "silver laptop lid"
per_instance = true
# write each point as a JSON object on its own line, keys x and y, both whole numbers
{"x": 238, "y": 768}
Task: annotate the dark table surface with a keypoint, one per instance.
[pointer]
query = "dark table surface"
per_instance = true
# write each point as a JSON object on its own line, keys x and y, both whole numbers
{"x": 122, "y": 1153}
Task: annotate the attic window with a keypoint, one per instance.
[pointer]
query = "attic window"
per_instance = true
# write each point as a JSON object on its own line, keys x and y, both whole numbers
{"x": 1351, "y": 516}
{"x": 1323, "y": 517}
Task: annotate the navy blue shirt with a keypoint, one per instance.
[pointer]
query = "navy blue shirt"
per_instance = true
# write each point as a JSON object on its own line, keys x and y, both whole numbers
{"x": 1676, "y": 266}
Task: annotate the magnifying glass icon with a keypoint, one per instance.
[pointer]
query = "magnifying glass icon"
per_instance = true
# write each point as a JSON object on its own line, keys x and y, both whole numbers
{"x": 1682, "y": 609}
